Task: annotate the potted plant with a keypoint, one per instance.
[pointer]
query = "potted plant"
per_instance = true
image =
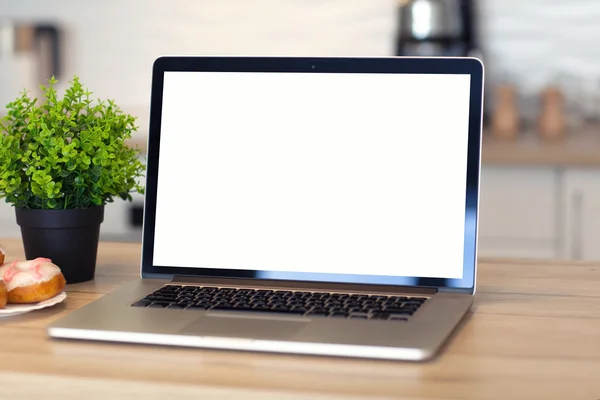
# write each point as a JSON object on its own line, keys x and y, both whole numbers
{"x": 61, "y": 161}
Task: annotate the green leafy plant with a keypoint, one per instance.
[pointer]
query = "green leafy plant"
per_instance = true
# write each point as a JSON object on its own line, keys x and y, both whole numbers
{"x": 68, "y": 152}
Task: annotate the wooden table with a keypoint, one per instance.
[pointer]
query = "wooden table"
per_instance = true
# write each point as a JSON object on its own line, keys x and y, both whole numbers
{"x": 534, "y": 333}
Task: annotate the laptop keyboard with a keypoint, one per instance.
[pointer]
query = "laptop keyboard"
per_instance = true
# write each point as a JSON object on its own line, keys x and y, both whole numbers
{"x": 333, "y": 305}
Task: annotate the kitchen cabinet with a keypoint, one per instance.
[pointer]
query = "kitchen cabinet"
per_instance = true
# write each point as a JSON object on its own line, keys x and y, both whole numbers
{"x": 118, "y": 224}
{"x": 581, "y": 208}
{"x": 519, "y": 211}
{"x": 8, "y": 223}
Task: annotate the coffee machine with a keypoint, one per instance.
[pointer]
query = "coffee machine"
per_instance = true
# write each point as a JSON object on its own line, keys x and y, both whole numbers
{"x": 436, "y": 28}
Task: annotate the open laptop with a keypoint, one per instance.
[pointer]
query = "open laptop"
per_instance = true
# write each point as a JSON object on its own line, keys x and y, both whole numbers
{"x": 323, "y": 206}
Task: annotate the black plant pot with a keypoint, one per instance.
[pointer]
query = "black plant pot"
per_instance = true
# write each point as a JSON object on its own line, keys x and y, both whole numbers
{"x": 68, "y": 237}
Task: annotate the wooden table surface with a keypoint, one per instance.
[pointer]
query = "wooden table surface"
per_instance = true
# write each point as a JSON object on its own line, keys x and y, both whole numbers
{"x": 534, "y": 333}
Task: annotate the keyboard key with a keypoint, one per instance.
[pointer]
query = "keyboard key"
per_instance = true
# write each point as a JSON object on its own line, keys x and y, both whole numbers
{"x": 380, "y": 315}
{"x": 223, "y": 307}
{"x": 159, "y": 297}
{"x": 141, "y": 303}
{"x": 338, "y": 314}
{"x": 398, "y": 311}
{"x": 167, "y": 289}
{"x": 162, "y": 301}
{"x": 317, "y": 314}
{"x": 398, "y": 318}
{"x": 242, "y": 307}
{"x": 261, "y": 308}
{"x": 164, "y": 296}
{"x": 281, "y": 312}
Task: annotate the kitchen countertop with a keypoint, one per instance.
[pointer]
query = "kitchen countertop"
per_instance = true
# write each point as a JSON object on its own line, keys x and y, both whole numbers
{"x": 533, "y": 333}
{"x": 580, "y": 149}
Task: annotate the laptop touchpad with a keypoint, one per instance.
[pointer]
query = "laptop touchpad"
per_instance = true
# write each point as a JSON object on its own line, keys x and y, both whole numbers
{"x": 251, "y": 327}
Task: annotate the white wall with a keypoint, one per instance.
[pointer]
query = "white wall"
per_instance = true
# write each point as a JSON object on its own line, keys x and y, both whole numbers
{"x": 539, "y": 41}
{"x": 111, "y": 44}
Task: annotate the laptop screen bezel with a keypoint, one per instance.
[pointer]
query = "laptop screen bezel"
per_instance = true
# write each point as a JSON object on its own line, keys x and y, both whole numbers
{"x": 382, "y": 65}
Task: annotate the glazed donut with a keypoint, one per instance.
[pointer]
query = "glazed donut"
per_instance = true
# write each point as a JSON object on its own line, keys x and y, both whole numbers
{"x": 2, "y": 255}
{"x": 32, "y": 281}
{"x": 3, "y": 295}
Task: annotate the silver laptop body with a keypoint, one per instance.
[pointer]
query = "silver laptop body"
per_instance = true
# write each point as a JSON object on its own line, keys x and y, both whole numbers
{"x": 323, "y": 206}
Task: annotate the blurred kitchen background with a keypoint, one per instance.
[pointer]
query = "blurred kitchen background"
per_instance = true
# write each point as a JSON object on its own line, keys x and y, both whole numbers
{"x": 540, "y": 182}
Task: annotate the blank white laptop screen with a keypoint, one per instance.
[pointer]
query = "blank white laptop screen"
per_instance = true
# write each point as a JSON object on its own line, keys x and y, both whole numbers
{"x": 320, "y": 173}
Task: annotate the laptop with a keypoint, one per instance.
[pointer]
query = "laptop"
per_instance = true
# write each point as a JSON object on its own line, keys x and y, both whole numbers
{"x": 317, "y": 206}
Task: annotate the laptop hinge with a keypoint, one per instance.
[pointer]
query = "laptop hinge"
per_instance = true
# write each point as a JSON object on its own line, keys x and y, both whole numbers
{"x": 302, "y": 285}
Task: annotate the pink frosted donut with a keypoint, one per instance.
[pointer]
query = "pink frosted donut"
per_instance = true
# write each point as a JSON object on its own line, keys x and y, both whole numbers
{"x": 32, "y": 281}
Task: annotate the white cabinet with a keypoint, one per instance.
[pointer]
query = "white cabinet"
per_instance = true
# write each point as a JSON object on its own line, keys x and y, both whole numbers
{"x": 581, "y": 207}
{"x": 8, "y": 223}
{"x": 519, "y": 212}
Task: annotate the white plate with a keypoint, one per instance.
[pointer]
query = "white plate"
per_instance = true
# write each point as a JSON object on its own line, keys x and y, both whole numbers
{"x": 16, "y": 309}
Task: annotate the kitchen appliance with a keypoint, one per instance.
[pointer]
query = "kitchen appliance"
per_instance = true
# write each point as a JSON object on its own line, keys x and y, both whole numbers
{"x": 436, "y": 28}
{"x": 30, "y": 54}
